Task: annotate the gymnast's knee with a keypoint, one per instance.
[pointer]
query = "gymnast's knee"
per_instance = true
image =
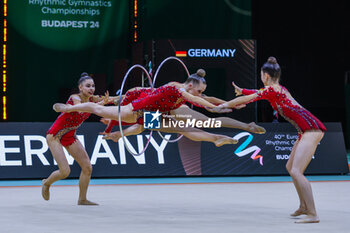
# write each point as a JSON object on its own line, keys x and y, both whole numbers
{"x": 288, "y": 167}
{"x": 295, "y": 172}
{"x": 65, "y": 172}
{"x": 140, "y": 129}
{"x": 87, "y": 169}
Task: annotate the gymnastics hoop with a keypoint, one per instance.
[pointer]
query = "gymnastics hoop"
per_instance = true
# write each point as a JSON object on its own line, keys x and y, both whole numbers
{"x": 154, "y": 81}
{"x": 119, "y": 115}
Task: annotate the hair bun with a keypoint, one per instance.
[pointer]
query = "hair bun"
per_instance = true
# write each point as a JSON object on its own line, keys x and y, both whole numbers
{"x": 272, "y": 60}
{"x": 84, "y": 74}
{"x": 201, "y": 73}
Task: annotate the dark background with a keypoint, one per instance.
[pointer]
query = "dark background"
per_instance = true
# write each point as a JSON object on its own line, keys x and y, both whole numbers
{"x": 311, "y": 43}
{"x": 310, "y": 39}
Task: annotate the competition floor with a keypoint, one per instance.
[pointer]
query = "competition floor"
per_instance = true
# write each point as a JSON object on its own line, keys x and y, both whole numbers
{"x": 166, "y": 205}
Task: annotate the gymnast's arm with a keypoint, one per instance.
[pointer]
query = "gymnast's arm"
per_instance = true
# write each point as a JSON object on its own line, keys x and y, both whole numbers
{"x": 213, "y": 100}
{"x": 240, "y": 91}
{"x": 218, "y": 101}
{"x": 106, "y": 99}
{"x": 240, "y": 100}
{"x": 196, "y": 100}
{"x": 249, "y": 97}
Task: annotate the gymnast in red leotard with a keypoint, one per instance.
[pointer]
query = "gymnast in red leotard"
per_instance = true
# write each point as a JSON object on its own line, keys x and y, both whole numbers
{"x": 66, "y": 124}
{"x": 283, "y": 103}
{"x": 164, "y": 99}
{"x": 196, "y": 86}
{"x": 62, "y": 134}
{"x": 310, "y": 130}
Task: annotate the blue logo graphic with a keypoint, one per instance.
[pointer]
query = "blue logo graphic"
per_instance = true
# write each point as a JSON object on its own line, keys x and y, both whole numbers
{"x": 151, "y": 120}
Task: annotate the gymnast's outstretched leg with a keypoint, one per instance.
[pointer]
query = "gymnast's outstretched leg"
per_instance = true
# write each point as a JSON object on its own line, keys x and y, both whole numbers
{"x": 111, "y": 112}
{"x": 227, "y": 122}
{"x": 191, "y": 133}
{"x": 132, "y": 130}
{"x": 201, "y": 135}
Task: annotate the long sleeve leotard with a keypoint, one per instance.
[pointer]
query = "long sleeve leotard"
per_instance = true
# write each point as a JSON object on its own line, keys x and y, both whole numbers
{"x": 282, "y": 102}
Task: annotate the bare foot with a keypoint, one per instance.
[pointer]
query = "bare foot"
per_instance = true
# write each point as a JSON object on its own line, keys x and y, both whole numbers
{"x": 299, "y": 212}
{"x": 45, "y": 190}
{"x": 224, "y": 141}
{"x": 86, "y": 202}
{"x": 309, "y": 219}
{"x": 60, "y": 107}
{"x": 254, "y": 128}
{"x": 114, "y": 136}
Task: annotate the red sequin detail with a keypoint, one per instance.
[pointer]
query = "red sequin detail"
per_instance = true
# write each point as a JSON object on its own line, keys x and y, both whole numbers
{"x": 164, "y": 98}
{"x": 298, "y": 116}
{"x": 64, "y": 128}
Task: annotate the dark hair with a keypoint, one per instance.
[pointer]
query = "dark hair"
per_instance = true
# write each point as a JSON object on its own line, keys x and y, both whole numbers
{"x": 197, "y": 77}
{"x": 84, "y": 76}
{"x": 272, "y": 68}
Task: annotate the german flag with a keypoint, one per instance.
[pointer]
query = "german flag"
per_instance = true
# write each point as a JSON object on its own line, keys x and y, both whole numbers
{"x": 181, "y": 53}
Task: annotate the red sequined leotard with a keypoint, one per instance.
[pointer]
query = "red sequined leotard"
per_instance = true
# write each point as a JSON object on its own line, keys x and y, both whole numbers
{"x": 282, "y": 102}
{"x": 66, "y": 124}
{"x": 165, "y": 98}
{"x": 130, "y": 96}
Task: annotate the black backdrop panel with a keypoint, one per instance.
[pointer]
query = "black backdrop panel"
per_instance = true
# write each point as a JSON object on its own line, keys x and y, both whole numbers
{"x": 223, "y": 60}
{"x": 24, "y": 153}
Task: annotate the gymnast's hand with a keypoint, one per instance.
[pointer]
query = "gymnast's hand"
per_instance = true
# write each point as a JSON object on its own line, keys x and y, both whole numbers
{"x": 105, "y": 99}
{"x": 114, "y": 136}
{"x": 238, "y": 90}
